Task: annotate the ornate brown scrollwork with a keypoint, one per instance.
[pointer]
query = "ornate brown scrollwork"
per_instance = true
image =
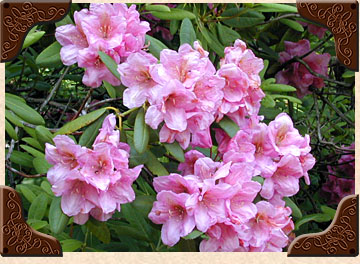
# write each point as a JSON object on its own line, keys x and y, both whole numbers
{"x": 17, "y": 238}
{"x": 339, "y": 239}
{"x": 19, "y": 17}
{"x": 341, "y": 19}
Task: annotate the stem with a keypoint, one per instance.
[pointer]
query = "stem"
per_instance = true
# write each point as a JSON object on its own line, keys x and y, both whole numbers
{"x": 23, "y": 174}
{"x": 129, "y": 111}
{"x": 83, "y": 104}
{"x": 56, "y": 86}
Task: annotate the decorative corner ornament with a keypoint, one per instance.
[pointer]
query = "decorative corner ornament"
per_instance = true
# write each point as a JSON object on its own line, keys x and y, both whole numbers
{"x": 342, "y": 20}
{"x": 17, "y": 238}
{"x": 340, "y": 239}
{"x": 18, "y": 17}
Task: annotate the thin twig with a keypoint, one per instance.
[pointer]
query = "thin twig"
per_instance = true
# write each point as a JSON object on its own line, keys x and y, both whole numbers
{"x": 63, "y": 113}
{"x": 320, "y": 75}
{"x": 342, "y": 116}
{"x": 24, "y": 174}
{"x": 292, "y": 60}
{"x": 83, "y": 104}
{"x": 56, "y": 86}
{"x": 103, "y": 102}
{"x": 53, "y": 130}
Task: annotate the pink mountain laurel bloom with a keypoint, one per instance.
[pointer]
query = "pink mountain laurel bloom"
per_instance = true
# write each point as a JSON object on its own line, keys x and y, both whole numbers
{"x": 111, "y": 28}
{"x": 92, "y": 181}
{"x": 296, "y": 74}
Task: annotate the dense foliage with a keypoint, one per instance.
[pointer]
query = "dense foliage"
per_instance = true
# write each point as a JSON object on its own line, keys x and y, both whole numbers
{"x": 179, "y": 127}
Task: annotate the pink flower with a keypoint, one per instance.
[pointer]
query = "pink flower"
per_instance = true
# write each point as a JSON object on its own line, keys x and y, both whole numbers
{"x": 172, "y": 105}
{"x": 314, "y": 29}
{"x": 240, "y": 148}
{"x": 222, "y": 238}
{"x": 191, "y": 157}
{"x": 297, "y": 74}
{"x": 72, "y": 38}
{"x": 96, "y": 71}
{"x": 170, "y": 210}
{"x": 266, "y": 227}
{"x": 92, "y": 181}
{"x": 285, "y": 180}
{"x": 112, "y": 28}
{"x": 136, "y": 75}
{"x": 285, "y": 139}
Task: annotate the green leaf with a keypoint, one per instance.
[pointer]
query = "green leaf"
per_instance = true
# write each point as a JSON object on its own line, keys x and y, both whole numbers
{"x": 230, "y": 127}
{"x": 28, "y": 194}
{"x": 36, "y": 224}
{"x": 15, "y": 97}
{"x": 272, "y": 7}
{"x": 99, "y": 230}
{"x": 21, "y": 158}
{"x": 194, "y": 234}
{"x": 296, "y": 213}
{"x": 154, "y": 165}
{"x": 38, "y": 207}
{"x": 133, "y": 216}
{"x": 327, "y": 210}
{"x": 290, "y": 98}
{"x": 187, "y": 32}
{"x": 312, "y": 217}
{"x": 123, "y": 229}
{"x": 13, "y": 118}
{"x": 141, "y": 132}
{"x": 160, "y": 8}
{"x": 50, "y": 57}
{"x": 57, "y": 219}
{"x": 110, "y": 89}
{"x": 212, "y": 41}
{"x": 80, "y": 122}
{"x": 258, "y": 179}
{"x": 70, "y": 245}
{"x": 144, "y": 203}
{"x": 33, "y": 151}
{"x": 41, "y": 165}
{"x": 175, "y": 150}
{"x": 278, "y": 88}
{"x": 227, "y": 35}
{"x": 65, "y": 21}
{"x": 245, "y": 19}
{"x": 263, "y": 71}
{"x": 174, "y": 26}
{"x": 24, "y": 111}
{"x": 32, "y": 37}
{"x": 33, "y": 142}
{"x": 43, "y": 135}
{"x": 90, "y": 133}
{"x": 156, "y": 46}
{"x": 10, "y": 130}
{"x": 45, "y": 185}
{"x": 110, "y": 64}
{"x": 174, "y": 14}
{"x": 268, "y": 101}
{"x": 292, "y": 24}
{"x": 348, "y": 74}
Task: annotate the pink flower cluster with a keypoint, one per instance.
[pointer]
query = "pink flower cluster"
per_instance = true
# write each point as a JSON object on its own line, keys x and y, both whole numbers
{"x": 341, "y": 178}
{"x": 92, "y": 181}
{"x": 111, "y": 28}
{"x": 218, "y": 198}
{"x": 314, "y": 29}
{"x": 186, "y": 91}
{"x": 296, "y": 73}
